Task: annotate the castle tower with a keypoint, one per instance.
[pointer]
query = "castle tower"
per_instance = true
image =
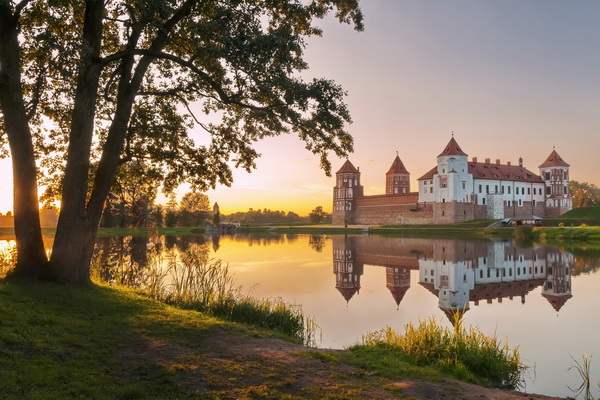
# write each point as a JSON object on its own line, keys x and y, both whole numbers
{"x": 345, "y": 267}
{"x": 453, "y": 183}
{"x": 557, "y": 287}
{"x": 345, "y": 193}
{"x": 397, "y": 179}
{"x": 555, "y": 173}
{"x": 398, "y": 282}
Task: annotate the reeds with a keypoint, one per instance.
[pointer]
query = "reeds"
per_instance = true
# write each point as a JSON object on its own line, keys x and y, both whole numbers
{"x": 8, "y": 258}
{"x": 192, "y": 280}
{"x": 429, "y": 343}
{"x": 583, "y": 369}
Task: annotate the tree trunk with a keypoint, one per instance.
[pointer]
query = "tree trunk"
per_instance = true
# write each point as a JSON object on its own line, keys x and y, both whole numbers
{"x": 76, "y": 231}
{"x": 31, "y": 255}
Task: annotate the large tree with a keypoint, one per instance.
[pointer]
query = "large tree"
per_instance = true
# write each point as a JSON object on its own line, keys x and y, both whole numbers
{"x": 86, "y": 87}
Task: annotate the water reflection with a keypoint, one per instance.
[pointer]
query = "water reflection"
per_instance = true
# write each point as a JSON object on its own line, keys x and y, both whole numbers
{"x": 458, "y": 273}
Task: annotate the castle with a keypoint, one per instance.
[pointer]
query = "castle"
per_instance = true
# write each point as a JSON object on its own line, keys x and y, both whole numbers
{"x": 455, "y": 190}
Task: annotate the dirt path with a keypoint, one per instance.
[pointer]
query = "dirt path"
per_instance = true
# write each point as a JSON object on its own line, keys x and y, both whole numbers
{"x": 234, "y": 366}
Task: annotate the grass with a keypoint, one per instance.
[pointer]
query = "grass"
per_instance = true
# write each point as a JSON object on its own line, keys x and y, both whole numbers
{"x": 577, "y": 216}
{"x": 466, "y": 354}
{"x": 61, "y": 342}
{"x": 566, "y": 234}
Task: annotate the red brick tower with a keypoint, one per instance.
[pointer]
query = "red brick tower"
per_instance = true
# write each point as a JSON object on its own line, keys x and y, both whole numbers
{"x": 345, "y": 193}
{"x": 397, "y": 179}
{"x": 555, "y": 173}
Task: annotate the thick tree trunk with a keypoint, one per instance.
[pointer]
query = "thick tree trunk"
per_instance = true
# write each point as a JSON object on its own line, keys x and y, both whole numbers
{"x": 31, "y": 255}
{"x": 76, "y": 231}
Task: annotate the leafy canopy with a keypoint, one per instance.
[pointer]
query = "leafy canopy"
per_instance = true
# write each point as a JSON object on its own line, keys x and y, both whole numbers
{"x": 230, "y": 70}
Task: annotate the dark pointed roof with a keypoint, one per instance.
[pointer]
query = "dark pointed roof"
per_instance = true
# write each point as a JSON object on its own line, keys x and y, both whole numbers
{"x": 397, "y": 167}
{"x": 557, "y": 301}
{"x": 554, "y": 160}
{"x": 348, "y": 292}
{"x": 452, "y": 149}
{"x": 398, "y": 292}
{"x": 346, "y": 168}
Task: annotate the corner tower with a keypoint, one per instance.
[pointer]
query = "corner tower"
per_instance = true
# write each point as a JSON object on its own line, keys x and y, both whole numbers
{"x": 555, "y": 173}
{"x": 453, "y": 183}
{"x": 345, "y": 193}
{"x": 397, "y": 179}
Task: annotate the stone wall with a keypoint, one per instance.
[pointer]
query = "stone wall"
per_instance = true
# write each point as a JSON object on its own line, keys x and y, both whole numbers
{"x": 392, "y": 214}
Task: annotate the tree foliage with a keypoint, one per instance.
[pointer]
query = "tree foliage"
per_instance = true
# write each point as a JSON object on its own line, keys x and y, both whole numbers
{"x": 584, "y": 194}
{"x": 318, "y": 216}
{"x": 108, "y": 83}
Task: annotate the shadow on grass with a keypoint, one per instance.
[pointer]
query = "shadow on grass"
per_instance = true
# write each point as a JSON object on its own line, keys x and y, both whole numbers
{"x": 62, "y": 342}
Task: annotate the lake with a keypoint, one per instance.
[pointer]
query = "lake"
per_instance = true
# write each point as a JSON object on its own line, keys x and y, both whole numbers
{"x": 543, "y": 299}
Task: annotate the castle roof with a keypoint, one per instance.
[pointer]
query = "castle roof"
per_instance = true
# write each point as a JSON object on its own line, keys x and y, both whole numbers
{"x": 429, "y": 174}
{"x": 347, "y": 168}
{"x": 397, "y": 167}
{"x": 557, "y": 301}
{"x": 452, "y": 149}
{"x": 491, "y": 171}
{"x": 554, "y": 160}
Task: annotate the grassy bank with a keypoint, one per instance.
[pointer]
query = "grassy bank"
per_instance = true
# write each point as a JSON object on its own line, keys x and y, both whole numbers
{"x": 63, "y": 342}
{"x": 565, "y": 234}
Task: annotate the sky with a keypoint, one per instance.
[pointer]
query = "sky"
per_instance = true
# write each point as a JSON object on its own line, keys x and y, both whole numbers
{"x": 510, "y": 79}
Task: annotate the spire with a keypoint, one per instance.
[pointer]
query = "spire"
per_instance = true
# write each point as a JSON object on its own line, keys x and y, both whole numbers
{"x": 554, "y": 160}
{"x": 397, "y": 167}
{"x": 347, "y": 168}
{"x": 452, "y": 149}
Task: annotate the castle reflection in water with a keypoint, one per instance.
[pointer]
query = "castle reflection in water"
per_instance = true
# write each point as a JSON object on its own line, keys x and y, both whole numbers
{"x": 457, "y": 272}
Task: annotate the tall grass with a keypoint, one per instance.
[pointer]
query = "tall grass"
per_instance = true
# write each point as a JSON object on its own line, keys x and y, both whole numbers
{"x": 191, "y": 280}
{"x": 8, "y": 258}
{"x": 429, "y": 343}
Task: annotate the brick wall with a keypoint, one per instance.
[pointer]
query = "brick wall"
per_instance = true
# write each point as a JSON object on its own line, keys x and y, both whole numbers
{"x": 393, "y": 214}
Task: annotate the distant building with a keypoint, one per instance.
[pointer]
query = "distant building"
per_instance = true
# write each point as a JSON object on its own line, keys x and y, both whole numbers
{"x": 455, "y": 190}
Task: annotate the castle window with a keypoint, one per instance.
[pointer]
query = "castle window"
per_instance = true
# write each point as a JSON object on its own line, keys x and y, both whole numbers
{"x": 464, "y": 184}
{"x": 479, "y": 188}
{"x": 547, "y": 176}
{"x": 533, "y": 202}
{"x": 431, "y": 189}
{"x": 520, "y": 202}
{"x": 483, "y": 201}
{"x": 565, "y": 177}
{"x": 487, "y": 189}
{"x": 548, "y": 190}
{"x": 495, "y": 188}
{"x": 565, "y": 189}
{"x": 509, "y": 190}
{"x": 528, "y": 190}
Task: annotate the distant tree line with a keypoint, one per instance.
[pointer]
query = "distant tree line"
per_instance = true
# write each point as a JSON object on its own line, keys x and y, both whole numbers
{"x": 267, "y": 216}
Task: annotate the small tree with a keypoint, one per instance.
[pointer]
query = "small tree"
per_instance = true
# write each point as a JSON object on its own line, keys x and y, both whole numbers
{"x": 194, "y": 209}
{"x": 216, "y": 219}
{"x": 318, "y": 216}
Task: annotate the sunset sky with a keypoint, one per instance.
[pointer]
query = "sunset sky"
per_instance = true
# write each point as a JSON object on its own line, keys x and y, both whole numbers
{"x": 510, "y": 78}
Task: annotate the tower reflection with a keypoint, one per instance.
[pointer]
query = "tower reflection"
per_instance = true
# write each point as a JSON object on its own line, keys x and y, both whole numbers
{"x": 459, "y": 273}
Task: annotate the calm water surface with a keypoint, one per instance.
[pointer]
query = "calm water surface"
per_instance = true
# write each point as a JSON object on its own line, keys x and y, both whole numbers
{"x": 544, "y": 299}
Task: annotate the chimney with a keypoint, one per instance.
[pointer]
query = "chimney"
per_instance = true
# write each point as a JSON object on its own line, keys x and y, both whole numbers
{"x": 474, "y": 159}
{"x": 521, "y": 162}
{"x": 487, "y": 160}
{"x": 508, "y": 163}
{"x": 497, "y": 161}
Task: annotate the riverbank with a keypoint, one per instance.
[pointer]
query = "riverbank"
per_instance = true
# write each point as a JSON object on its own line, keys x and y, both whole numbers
{"x": 61, "y": 342}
